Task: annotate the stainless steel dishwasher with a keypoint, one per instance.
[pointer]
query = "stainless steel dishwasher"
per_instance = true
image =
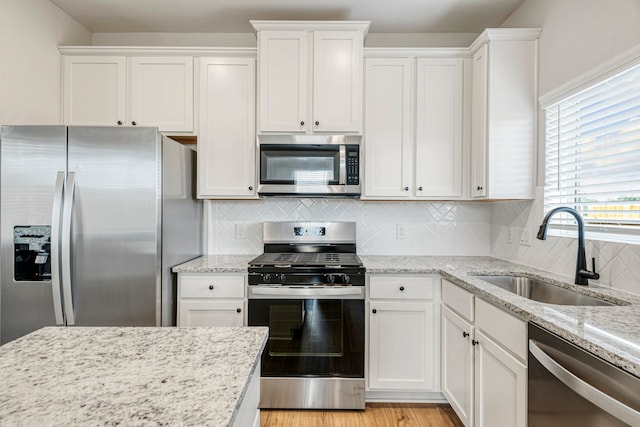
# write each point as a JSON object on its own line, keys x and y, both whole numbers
{"x": 569, "y": 386}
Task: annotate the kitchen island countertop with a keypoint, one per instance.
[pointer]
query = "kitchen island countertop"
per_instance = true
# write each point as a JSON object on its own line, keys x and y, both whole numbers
{"x": 128, "y": 375}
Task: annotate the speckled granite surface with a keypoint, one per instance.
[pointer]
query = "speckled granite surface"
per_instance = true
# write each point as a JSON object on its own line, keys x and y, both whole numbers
{"x": 613, "y": 333}
{"x": 215, "y": 264}
{"x": 127, "y": 376}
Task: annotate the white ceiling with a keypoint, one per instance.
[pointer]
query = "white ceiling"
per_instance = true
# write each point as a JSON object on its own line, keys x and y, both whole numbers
{"x": 232, "y": 16}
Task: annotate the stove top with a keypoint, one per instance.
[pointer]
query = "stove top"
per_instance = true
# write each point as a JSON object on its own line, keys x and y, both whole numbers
{"x": 324, "y": 259}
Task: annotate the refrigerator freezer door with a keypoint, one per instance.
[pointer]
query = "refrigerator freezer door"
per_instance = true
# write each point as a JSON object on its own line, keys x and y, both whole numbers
{"x": 115, "y": 225}
{"x": 31, "y": 158}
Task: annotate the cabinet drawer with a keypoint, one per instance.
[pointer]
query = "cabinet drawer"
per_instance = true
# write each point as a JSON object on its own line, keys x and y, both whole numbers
{"x": 458, "y": 299}
{"x": 212, "y": 286}
{"x": 505, "y": 328}
{"x": 402, "y": 287}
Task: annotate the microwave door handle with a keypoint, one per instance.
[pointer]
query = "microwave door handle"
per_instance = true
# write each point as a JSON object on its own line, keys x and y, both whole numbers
{"x": 584, "y": 389}
{"x": 343, "y": 165}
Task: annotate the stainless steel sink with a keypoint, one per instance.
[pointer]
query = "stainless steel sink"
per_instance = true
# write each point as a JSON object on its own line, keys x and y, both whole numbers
{"x": 541, "y": 291}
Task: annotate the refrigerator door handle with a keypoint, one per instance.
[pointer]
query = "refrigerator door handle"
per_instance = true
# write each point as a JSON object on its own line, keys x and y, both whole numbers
{"x": 55, "y": 249}
{"x": 65, "y": 259}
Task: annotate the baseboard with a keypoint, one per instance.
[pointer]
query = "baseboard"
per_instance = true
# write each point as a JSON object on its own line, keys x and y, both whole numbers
{"x": 404, "y": 396}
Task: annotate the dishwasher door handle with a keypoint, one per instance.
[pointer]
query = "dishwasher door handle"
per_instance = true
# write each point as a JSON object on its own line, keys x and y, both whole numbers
{"x": 584, "y": 389}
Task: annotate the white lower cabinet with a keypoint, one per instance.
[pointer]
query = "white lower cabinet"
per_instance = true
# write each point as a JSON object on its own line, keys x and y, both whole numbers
{"x": 208, "y": 299}
{"x": 484, "y": 372}
{"x": 404, "y": 333}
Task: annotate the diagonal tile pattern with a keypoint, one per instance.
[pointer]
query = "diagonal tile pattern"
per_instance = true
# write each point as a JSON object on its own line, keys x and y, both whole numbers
{"x": 429, "y": 228}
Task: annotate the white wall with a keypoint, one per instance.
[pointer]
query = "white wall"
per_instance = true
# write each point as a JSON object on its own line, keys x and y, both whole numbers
{"x": 30, "y": 69}
{"x": 431, "y": 228}
{"x": 577, "y": 35}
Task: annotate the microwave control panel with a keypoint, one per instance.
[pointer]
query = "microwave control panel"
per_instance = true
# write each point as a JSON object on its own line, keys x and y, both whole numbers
{"x": 353, "y": 165}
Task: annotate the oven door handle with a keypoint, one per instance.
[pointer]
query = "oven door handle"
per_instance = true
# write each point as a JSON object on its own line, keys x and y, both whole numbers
{"x": 307, "y": 292}
{"x": 584, "y": 389}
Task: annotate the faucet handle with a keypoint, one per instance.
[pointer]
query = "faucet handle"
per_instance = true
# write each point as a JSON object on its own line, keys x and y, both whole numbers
{"x": 596, "y": 276}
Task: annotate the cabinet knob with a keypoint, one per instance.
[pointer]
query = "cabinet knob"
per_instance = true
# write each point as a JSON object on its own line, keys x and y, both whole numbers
{"x": 211, "y": 287}
{"x": 238, "y": 310}
{"x": 133, "y": 123}
{"x": 402, "y": 288}
{"x": 317, "y": 123}
{"x": 374, "y": 311}
{"x": 406, "y": 188}
{"x": 474, "y": 342}
{"x": 119, "y": 122}
{"x": 250, "y": 188}
{"x": 465, "y": 334}
{"x": 302, "y": 123}
{"x": 420, "y": 188}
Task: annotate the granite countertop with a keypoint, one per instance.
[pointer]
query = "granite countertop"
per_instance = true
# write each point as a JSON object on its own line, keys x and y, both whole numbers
{"x": 129, "y": 376}
{"x": 215, "y": 264}
{"x": 612, "y": 333}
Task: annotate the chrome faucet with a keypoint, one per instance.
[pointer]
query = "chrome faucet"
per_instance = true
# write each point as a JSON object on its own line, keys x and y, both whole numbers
{"x": 582, "y": 273}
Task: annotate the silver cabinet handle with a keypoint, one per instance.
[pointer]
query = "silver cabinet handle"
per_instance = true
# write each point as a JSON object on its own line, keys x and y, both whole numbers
{"x": 584, "y": 389}
{"x": 65, "y": 245}
{"x": 55, "y": 249}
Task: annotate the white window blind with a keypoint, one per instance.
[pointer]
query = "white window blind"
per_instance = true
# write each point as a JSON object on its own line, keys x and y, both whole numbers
{"x": 593, "y": 155}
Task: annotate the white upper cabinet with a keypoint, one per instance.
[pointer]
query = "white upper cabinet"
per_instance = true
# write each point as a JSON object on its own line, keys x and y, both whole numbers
{"x": 388, "y": 128}
{"x": 94, "y": 90}
{"x": 504, "y": 113}
{"x": 310, "y": 76}
{"x": 403, "y": 94}
{"x": 283, "y": 69}
{"x": 226, "y": 141}
{"x": 160, "y": 93}
{"x": 134, "y": 91}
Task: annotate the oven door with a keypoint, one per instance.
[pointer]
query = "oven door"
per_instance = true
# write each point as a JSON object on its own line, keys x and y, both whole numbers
{"x": 316, "y": 333}
{"x": 314, "y": 357}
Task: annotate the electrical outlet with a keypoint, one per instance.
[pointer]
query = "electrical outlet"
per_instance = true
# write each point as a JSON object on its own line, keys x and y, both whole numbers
{"x": 241, "y": 231}
{"x": 510, "y": 233}
{"x": 525, "y": 237}
{"x": 401, "y": 233}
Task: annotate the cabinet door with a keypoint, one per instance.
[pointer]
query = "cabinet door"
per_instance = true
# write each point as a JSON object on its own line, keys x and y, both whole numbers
{"x": 94, "y": 90}
{"x": 438, "y": 158}
{"x": 226, "y": 144}
{"x": 284, "y": 83}
{"x": 402, "y": 346}
{"x": 161, "y": 93}
{"x": 457, "y": 364}
{"x": 479, "y": 107}
{"x": 203, "y": 312}
{"x": 337, "y": 81}
{"x": 500, "y": 386}
{"x": 388, "y": 148}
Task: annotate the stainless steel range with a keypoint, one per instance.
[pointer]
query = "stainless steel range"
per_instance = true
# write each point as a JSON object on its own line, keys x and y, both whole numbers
{"x": 308, "y": 288}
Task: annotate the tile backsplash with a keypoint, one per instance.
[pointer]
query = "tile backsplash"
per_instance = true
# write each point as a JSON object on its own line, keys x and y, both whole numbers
{"x": 617, "y": 263}
{"x": 384, "y": 228}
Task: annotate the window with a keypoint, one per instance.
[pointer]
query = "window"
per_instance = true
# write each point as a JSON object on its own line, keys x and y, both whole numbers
{"x": 593, "y": 157}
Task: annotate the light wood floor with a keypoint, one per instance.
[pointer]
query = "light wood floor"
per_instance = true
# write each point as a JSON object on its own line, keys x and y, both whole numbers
{"x": 375, "y": 415}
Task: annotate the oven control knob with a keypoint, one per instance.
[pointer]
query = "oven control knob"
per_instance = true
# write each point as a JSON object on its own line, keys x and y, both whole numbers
{"x": 346, "y": 278}
{"x": 330, "y": 278}
{"x": 266, "y": 277}
{"x": 283, "y": 277}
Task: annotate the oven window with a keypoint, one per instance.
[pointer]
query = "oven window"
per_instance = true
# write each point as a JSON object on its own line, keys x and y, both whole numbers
{"x": 311, "y": 337}
{"x": 300, "y": 165}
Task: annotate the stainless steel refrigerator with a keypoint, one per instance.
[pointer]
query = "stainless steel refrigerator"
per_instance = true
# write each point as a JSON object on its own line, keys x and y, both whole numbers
{"x": 91, "y": 221}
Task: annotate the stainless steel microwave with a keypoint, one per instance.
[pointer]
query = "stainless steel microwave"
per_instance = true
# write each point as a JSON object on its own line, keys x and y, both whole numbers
{"x": 309, "y": 165}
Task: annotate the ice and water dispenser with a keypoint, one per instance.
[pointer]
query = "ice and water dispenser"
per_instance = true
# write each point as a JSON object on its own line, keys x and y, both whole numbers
{"x": 32, "y": 257}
